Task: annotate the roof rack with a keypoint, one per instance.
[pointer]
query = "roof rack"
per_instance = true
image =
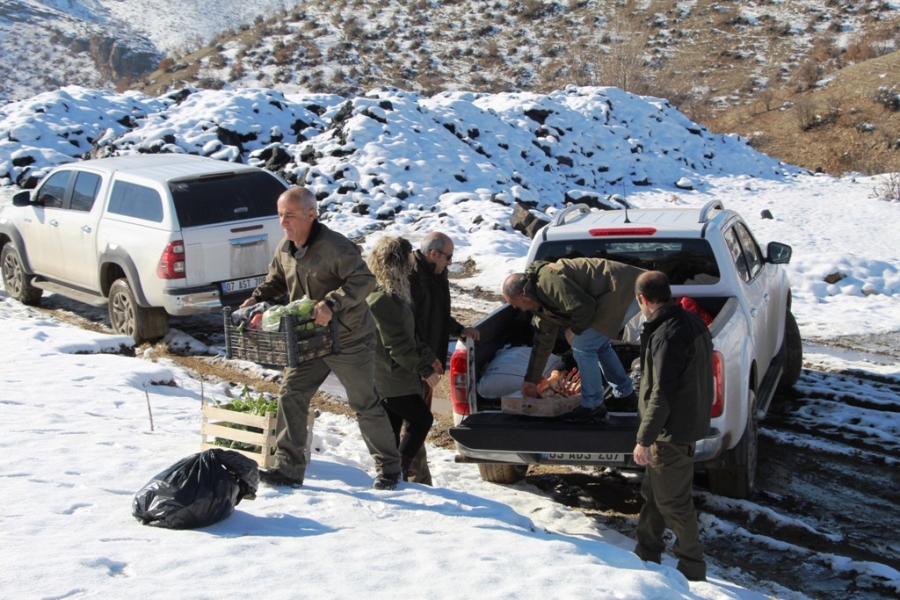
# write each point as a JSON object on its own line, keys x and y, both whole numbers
{"x": 560, "y": 217}
{"x": 709, "y": 207}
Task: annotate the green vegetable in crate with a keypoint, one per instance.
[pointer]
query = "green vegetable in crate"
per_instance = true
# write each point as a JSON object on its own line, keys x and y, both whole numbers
{"x": 301, "y": 309}
{"x": 246, "y": 402}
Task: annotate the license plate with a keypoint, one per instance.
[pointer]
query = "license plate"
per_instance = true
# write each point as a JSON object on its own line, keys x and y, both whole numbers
{"x": 247, "y": 284}
{"x": 612, "y": 457}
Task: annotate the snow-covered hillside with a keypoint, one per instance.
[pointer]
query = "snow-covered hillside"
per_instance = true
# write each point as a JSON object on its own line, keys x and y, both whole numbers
{"x": 48, "y": 44}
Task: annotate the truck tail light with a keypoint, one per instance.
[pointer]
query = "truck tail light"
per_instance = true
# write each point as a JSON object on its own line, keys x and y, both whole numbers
{"x": 171, "y": 263}
{"x": 718, "y": 406}
{"x": 614, "y": 231}
{"x": 459, "y": 378}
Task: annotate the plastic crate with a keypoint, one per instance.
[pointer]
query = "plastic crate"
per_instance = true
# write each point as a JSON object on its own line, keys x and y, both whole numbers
{"x": 293, "y": 343}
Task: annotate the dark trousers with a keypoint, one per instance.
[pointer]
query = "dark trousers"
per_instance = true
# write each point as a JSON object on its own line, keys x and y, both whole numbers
{"x": 668, "y": 503}
{"x": 355, "y": 369}
{"x": 413, "y": 410}
{"x": 418, "y": 470}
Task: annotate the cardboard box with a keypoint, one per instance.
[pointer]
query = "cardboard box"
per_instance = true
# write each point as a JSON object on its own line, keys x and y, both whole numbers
{"x": 552, "y": 406}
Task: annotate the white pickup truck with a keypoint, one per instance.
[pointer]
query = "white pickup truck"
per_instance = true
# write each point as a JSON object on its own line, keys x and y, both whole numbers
{"x": 710, "y": 256}
{"x": 148, "y": 236}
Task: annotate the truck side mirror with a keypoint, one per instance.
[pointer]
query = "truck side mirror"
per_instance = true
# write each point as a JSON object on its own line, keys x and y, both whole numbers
{"x": 22, "y": 198}
{"x": 778, "y": 253}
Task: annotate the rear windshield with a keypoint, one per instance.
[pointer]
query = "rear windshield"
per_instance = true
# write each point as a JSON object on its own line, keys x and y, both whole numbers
{"x": 230, "y": 197}
{"x": 685, "y": 262}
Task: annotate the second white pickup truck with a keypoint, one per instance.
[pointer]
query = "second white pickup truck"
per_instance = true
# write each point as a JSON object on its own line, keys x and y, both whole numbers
{"x": 709, "y": 256}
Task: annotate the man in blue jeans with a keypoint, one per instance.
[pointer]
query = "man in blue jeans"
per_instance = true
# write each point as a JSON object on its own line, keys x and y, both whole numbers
{"x": 591, "y": 298}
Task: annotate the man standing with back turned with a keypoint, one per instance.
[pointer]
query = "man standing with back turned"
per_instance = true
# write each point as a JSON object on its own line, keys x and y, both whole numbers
{"x": 325, "y": 266}
{"x": 674, "y": 402}
{"x": 430, "y": 291}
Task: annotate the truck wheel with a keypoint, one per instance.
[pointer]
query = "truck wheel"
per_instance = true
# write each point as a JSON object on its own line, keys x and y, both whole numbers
{"x": 15, "y": 280}
{"x": 127, "y": 318}
{"x": 502, "y": 473}
{"x": 736, "y": 476}
{"x": 793, "y": 357}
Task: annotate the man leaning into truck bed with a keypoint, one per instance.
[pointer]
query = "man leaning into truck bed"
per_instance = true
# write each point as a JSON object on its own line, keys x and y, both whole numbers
{"x": 592, "y": 299}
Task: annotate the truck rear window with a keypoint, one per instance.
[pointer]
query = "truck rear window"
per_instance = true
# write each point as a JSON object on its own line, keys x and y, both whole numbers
{"x": 226, "y": 198}
{"x": 685, "y": 262}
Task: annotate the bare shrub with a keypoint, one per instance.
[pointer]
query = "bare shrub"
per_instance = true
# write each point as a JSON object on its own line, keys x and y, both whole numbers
{"x": 805, "y": 113}
{"x": 808, "y": 74}
{"x": 166, "y": 64}
{"x": 888, "y": 188}
{"x": 767, "y": 96}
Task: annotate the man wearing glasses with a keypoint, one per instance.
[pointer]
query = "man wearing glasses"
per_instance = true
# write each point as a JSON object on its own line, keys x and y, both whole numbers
{"x": 430, "y": 291}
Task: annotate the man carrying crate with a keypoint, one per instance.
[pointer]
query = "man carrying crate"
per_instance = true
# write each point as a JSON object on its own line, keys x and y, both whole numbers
{"x": 321, "y": 264}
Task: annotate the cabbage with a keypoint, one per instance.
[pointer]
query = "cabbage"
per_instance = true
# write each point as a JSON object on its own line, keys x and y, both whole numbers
{"x": 301, "y": 309}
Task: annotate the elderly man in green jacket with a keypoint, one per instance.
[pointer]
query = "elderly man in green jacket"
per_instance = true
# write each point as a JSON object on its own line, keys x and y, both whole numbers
{"x": 592, "y": 298}
{"x": 323, "y": 265}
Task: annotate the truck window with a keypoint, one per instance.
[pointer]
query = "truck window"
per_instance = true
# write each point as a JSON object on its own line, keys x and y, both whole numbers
{"x": 684, "y": 261}
{"x": 737, "y": 254}
{"x": 133, "y": 200}
{"x": 750, "y": 248}
{"x": 222, "y": 199}
{"x": 54, "y": 190}
{"x": 85, "y": 191}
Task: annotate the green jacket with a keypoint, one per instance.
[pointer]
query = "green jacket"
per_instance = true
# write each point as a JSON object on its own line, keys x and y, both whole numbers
{"x": 676, "y": 392}
{"x": 576, "y": 293}
{"x": 330, "y": 268}
{"x": 401, "y": 360}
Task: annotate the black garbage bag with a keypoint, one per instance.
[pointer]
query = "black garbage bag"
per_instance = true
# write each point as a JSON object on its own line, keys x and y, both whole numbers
{"x": 197, "y": 491}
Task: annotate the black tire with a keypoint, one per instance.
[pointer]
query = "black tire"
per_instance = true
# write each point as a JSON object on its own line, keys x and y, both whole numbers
{"x": 502, "y": 473}
{"x": 16, "y": 281}
{"x": 126, "y": 317}
{"x": 736, "y": 475}
{"x": 793, "y": 357}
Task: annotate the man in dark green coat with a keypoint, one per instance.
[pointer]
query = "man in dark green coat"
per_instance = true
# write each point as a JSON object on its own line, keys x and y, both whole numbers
{"x": 325, "y": 266}
{"x": 592, "y": 299}
{"x": 674, "y": 405}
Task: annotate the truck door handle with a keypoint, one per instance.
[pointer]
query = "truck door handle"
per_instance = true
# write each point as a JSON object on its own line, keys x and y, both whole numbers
{"x": 54, "y": 223}
{"x": 766, "y": 297}
{"x": 753, "y": 312}
{"x": 249, "y": 240}
{"x": 86, "y": 228}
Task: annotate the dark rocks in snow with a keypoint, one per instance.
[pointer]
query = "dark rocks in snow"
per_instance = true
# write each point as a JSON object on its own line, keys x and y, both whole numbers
{"x": 766, "y": 214}
{"x": 538, "y": 114}
{"x": 310, "y": 155}
{"x": 27, "y": 179}
{"x": 374, "y": 116}
{"x": 275, "y": 157}
{"x": 526, "y": 220}
{"x": 834, "y": 277}
{"x": 23, "y": 160}
{"x": 591, "y": 200}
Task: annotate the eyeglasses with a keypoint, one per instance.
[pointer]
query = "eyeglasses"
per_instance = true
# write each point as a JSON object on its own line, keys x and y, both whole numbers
{"x": 449, "y": 257}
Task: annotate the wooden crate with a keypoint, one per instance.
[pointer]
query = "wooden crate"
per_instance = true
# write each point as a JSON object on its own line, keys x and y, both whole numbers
{"x": 215, "y": 425}
{"x": 539, "y": 407}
